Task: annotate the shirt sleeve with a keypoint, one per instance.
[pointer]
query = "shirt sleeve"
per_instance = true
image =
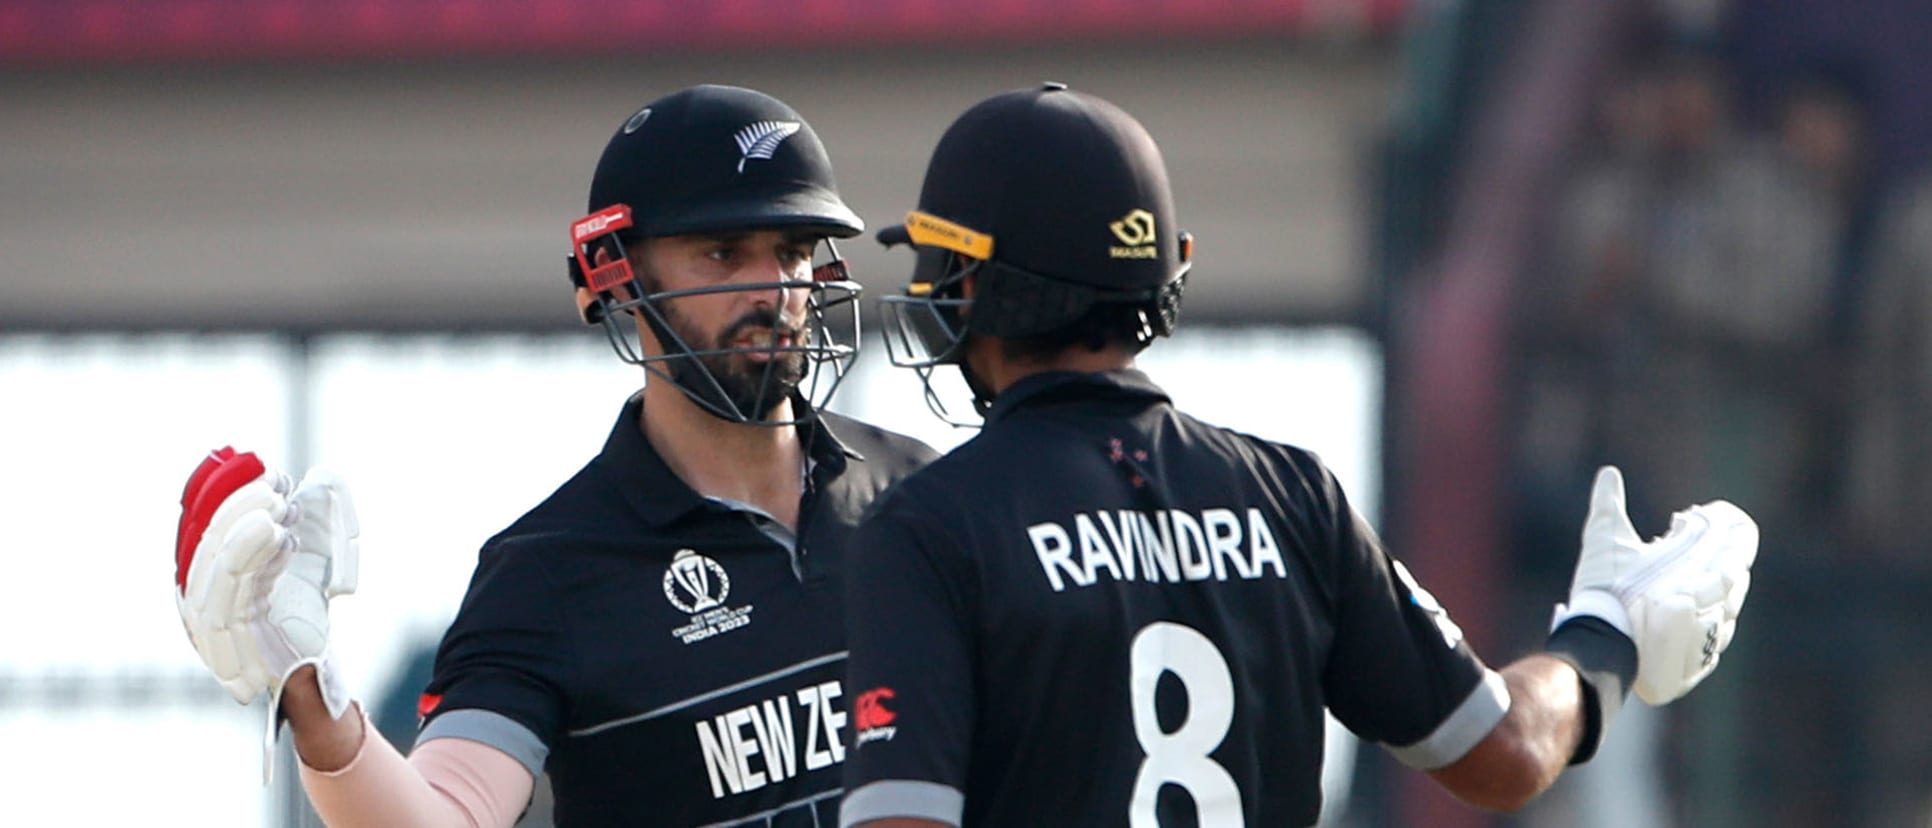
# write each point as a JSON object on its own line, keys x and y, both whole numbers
{"x": 503, "y": 662}
{"x": 1399, "y": 671}
{"x": 909, "y": 611}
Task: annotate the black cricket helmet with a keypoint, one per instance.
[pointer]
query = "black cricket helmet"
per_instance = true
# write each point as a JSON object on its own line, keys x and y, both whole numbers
{"x": 718, "y": 159}
{"x": 1054, "y": 201}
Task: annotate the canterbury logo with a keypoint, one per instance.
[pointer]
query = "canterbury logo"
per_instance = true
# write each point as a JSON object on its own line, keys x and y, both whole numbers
{"x": 761, "y": 139}
{"x": 870, "y": 710}
{"x": 1135, "y": 228}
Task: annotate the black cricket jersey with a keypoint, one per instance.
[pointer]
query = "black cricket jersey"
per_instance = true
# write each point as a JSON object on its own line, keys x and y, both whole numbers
{"x": 1102, "y": 611}
{"x": 669, "y": 659}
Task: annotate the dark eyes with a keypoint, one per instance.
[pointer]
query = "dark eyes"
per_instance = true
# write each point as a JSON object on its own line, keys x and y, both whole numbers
{"x": 790, "y": 255}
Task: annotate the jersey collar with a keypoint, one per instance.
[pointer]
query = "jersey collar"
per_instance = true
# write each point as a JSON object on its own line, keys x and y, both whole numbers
{"x": 1060, "y": 386}
{"x": 647, "y": 483}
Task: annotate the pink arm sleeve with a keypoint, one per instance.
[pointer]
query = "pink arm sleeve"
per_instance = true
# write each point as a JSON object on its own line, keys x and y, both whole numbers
{"x": 445, "y": 783}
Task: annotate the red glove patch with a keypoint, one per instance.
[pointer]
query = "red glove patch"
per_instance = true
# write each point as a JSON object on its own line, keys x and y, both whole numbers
{"x": 219, "y": 475}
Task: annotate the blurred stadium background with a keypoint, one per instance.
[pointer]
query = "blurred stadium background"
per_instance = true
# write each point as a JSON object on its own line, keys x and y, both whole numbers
{"x": 1467, "y": 249}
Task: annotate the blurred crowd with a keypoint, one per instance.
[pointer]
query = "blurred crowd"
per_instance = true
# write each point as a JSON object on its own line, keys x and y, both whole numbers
{"x": 1734, "y": 301}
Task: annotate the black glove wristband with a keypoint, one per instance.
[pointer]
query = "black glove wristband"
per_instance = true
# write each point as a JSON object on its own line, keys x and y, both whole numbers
{"x": 1606, "y": 661}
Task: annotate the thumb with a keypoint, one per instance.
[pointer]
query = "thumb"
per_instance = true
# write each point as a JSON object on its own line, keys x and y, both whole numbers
{"x": 1609, "y": 518}
{"x": 327, "y": 525}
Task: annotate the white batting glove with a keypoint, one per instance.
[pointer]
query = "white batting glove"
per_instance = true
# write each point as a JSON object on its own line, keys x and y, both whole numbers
{"x": 1677, "y": 596}
{"x": 257, "y": 560}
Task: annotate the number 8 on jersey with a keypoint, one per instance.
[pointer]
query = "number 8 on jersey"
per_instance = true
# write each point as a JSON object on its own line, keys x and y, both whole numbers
{"x": 1181, "y": 757}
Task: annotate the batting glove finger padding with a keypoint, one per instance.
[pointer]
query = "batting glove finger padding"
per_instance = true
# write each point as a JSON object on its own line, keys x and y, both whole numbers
{"x": 257, "y": 561}
{"x": 223, "y": 493}
{"x": 1677, "y": 597}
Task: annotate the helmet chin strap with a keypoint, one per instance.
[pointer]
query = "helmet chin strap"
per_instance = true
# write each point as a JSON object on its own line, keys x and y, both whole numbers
{"x": 983, "y": 394}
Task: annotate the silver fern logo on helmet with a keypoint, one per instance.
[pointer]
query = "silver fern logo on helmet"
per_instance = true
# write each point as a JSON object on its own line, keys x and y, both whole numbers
{"x": 761, "y": 139}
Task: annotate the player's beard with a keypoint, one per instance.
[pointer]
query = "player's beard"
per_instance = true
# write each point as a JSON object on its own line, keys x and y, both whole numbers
{"x": 751, "y": 388}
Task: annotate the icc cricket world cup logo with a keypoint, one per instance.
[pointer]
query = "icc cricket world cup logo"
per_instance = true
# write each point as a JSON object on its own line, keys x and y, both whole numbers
{"x": 694, "y": 583}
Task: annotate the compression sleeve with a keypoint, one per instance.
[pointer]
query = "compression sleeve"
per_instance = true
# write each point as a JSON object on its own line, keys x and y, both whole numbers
{"x": 445, "y": 783}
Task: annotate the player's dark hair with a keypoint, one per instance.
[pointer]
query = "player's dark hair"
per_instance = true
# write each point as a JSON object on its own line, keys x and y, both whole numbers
{"x": 1103, "y": 325}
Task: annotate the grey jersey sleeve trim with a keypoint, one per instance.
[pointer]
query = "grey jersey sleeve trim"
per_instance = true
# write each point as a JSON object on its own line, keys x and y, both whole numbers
{"x": 1471, "y": 721}
{"x": 493, "y": 729}
{"x": 902, "y": 798}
